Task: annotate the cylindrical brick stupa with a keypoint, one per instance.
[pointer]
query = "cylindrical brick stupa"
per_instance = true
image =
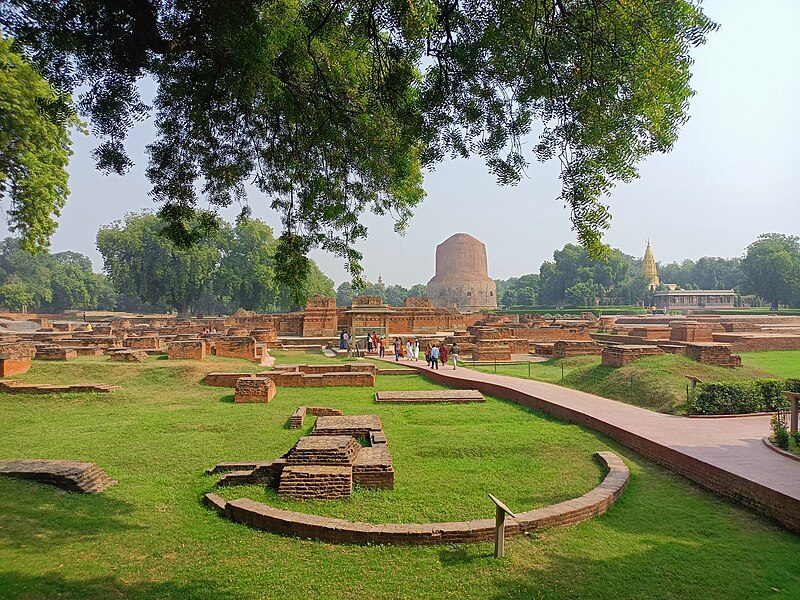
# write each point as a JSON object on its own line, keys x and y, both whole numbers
{"x": 462, "y": 275}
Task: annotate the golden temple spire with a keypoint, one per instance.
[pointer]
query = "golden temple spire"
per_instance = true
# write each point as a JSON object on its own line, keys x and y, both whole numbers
{"x": 649, "y": 267}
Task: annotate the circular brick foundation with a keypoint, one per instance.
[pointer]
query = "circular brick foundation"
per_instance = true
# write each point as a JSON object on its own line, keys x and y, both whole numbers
{"x": 266, "y": 518}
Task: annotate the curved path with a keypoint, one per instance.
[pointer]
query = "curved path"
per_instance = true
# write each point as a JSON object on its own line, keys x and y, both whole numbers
{"x": 726, "y": 456}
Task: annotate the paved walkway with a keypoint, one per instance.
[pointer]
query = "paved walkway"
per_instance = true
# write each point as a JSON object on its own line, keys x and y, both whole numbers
{"x": 725, "y": 455}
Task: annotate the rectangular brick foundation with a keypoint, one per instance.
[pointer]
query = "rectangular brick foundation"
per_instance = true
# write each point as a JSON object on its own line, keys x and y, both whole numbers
{"x": 619, "y": 356}
{"x": 296, "y": 379}
{"x": 430, "y": 397}
{"x": 566, "y": 348}
{"x": 324, "y": 482}
{"x": 236, "y": 347}
{"x": 324, "y": 450}
{"x": 186, "y": 349}
{"x": 254, "y": 389}
{"x": 15, "y": 359}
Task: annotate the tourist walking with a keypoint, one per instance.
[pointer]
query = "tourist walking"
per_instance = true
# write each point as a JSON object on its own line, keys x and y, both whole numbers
{"x": 443, "y": 352}
{"x": 454, "y": 354}
{"x": 416, "y": 350}
{"x": 382, "y": 347}
{"x": 435, "y": 357}
{"x": 428, "y": 349}
{"x": 396, "y": 349}
{"x": 409, "y": 351}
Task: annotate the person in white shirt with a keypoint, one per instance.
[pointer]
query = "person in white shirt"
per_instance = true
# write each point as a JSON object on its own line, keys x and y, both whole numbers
{"x": 435, "y": 357}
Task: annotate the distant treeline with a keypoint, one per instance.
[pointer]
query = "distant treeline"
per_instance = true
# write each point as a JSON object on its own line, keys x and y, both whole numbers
{"x": 145, "y": 272}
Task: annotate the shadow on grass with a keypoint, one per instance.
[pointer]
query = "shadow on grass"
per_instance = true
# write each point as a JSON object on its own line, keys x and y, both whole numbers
{"x": 227, "y": 398}
{"x": 462, "y": 555}
{"x": 39, "y": 516}
{"x": 51, "y": 585}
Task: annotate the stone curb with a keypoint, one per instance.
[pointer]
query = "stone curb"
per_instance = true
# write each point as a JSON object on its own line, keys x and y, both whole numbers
{"x": 768, "y": 443}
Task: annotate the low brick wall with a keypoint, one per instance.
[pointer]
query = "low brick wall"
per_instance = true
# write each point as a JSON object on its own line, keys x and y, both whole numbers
{"x": 236, "y": 347}
{"x": 186, "y": 349}
{"x": 55, "y": 353}
{"x": 325, "y": 369}
{"x": 619, "y": 356}
{"x": 17, "y": 387}
{"x": 254, "y": 389}
{"x": 264, "y": 517}
{"x": 711, "y": 353}
{"x": 128, "y": 356}
{"x": 70, "y": 475}
{"x": 742, "y": 342}
{"x": 15, "y": 359}
{"x": 762, "y": 499}
{"x": 142, "y": 343}
{"x": 566, "y": 348}
{"x": 322, "y": 482}
{"x": 430, "y": 397}
{"x": 295, "y": 379}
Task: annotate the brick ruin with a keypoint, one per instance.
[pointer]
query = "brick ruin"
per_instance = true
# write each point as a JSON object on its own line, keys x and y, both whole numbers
{"x": 343, "y": 375}
{"x": 299, "y": 415}
{"x": 619, "y": 356}
{"x": 482, "y": 337}
{"x": 15, "y": 359}
{"x": 69, "y": 475}
{"x": 254, "y": 389}
{"x": 186, "y": 349}
{"x": 266, "y": 518}
{"x": 324, "y": 465}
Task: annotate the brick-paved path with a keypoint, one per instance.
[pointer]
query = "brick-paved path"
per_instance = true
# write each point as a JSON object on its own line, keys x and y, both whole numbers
{"x": 725, "y": 455}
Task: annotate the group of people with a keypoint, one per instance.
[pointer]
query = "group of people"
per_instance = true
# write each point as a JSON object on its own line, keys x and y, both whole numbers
{"x": 436, "y": 353}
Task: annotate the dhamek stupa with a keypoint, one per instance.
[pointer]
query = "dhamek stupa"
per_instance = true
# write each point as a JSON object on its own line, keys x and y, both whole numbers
{"x": 462, "y": 275}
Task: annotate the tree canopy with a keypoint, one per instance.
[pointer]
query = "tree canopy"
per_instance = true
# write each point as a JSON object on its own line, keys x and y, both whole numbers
{"x": 335, "y": 107}
{"x": 50, "y": 283}
{"x": 35, "y": 145}
{"x": 771, "y": 267}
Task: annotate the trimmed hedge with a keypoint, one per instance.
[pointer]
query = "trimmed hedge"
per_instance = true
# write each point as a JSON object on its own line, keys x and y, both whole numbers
{"x": 741, "y": 397}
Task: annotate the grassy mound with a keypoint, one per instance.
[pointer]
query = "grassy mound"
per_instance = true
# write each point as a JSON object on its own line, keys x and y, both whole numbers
{"x": 653, "y": 382}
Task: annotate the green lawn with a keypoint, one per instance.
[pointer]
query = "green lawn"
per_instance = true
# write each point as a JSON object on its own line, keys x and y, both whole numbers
{"x": 149, "y": 536}
{"x": 654, "y": 382}
{"x": 784, "y": 363}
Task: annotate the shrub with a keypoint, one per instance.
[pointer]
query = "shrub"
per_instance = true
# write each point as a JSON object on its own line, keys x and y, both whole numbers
{"x": 737, "y": 397}
{"x": 792, "y": 385}
{"x": 780, "y": 434}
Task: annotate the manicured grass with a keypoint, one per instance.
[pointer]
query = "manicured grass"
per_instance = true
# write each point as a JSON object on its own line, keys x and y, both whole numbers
{"x": 148, "y": 536}
{"x": 784, "y": 363}
{"x": 654, "y": 382}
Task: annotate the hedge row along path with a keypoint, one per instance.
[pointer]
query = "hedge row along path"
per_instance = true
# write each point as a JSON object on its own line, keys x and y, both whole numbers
{"x": 726, "y": 456}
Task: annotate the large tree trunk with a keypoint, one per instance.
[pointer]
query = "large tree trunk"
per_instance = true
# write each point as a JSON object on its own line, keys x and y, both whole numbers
{"x": 183, "y": 312}
{"x": 774, "y": 306}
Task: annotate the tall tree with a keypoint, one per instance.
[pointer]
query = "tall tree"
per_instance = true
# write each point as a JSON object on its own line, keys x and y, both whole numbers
{"x": 142, "y": 262}
{"x": 246, "y": 274}
{"x": 335, "y": 107}
{"x": 772, "y": 268}
{"x": 35, "y": 119}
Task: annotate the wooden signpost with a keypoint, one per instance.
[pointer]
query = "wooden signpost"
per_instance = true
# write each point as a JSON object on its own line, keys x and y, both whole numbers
{"x": 500, "y": 526}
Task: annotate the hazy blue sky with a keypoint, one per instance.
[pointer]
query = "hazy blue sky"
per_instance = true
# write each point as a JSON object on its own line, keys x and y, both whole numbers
{"x": 734, "y": 173}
